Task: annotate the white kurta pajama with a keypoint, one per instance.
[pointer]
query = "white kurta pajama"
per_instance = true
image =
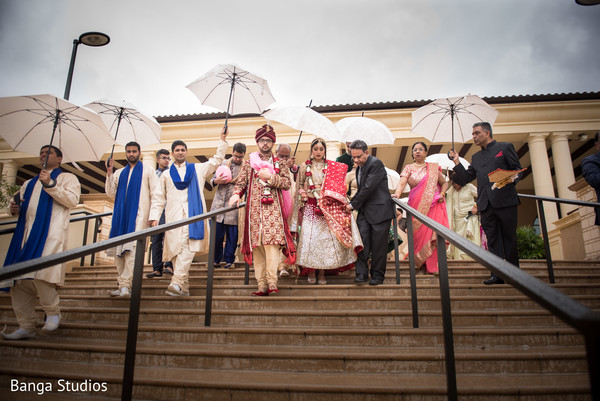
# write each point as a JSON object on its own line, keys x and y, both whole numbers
{"x": 178, "y": 247}
{"x": 65, "y": 196}
{"x": 125, "y": 254}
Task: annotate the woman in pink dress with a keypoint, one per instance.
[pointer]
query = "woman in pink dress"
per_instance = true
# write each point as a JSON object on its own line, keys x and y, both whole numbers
{"x": 427, "y": 194}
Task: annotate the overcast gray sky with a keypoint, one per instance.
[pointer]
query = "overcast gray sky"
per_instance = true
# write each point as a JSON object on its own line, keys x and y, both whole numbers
{"x": 330, "y": 51}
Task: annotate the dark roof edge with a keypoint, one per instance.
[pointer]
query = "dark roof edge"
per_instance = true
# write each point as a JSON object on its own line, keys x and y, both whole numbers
{"x": 394, "y": 105}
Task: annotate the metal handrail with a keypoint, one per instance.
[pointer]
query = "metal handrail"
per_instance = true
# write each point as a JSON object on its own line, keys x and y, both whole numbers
{"x": 577, "y": 315}
{"x": 88, "y": 216}
{"x": 33, "y": 265}
{"x": 542, "y": 218}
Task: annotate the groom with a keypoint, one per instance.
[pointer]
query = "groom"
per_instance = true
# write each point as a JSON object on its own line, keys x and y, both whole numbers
{"x": 375, "y": 213}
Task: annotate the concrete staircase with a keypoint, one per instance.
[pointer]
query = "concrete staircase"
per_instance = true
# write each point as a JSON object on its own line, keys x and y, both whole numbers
{"x": 311, "y": 342}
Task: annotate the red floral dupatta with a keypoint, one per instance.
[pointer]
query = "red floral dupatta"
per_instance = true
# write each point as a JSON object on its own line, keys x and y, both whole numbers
{"x": 333, "y": 202}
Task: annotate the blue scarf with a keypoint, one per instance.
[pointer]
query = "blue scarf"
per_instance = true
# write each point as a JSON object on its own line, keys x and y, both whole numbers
{"x": 190, "y": 181}
{"x": 39, "y": 231}
{"x": 127, "y": 201}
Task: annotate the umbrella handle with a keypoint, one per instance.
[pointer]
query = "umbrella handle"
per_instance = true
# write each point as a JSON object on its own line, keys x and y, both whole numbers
{"x": 300, "y": 136}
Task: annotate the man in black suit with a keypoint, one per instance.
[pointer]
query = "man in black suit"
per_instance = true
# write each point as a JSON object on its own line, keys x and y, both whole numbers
{"x": 498, "y": 206}
{"x": 590, "y": 167}
{"x": 375, "y": 212}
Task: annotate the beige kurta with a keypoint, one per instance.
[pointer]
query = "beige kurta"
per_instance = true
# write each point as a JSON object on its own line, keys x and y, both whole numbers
{"x": 176, "y": 202}
{"x": 66, "y": 196}
{"x": 149, "y": 186}
{"x": 459, "y": 204}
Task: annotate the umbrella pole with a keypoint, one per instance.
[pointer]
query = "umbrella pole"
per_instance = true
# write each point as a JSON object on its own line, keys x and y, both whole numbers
{"x": 452, "y": 122}
{"x": 300, "y": 136}
{"x": 229, "y": 101}
{"x": 52, "y": 137}
{"x": 116, "y": 132}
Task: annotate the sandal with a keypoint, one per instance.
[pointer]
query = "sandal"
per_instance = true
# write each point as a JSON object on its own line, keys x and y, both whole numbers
{"x": 168, "y": 270}
{"x": 322, "y": 279}
{"x": 228, "y": 265}
{"x": 312, "y": 279}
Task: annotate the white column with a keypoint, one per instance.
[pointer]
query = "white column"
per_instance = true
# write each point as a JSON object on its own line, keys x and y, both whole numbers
{"x": 9, "y": 169}
{"x": 542, "y": 178}
{"x": 149, "y": 159}
{"x": 563, "y": 169}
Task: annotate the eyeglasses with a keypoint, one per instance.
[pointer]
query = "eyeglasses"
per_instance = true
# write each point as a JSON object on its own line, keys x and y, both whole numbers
{"x": 265, "y": 140}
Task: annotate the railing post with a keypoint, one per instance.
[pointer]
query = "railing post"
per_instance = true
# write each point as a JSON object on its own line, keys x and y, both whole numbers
{"x": 396, "y": 253}
{"x": 134, "y": 315}
{"x": 592, "y": 345}
{"x": 447, "y": 319}
{"x": 210, "y": 270}
{"x": 246, "y": 273}
{"x": 86, "y": 226}
{"x": 412, "y": 269}
{"x": 546, "y": 240}
{"x": 95, "y": 238}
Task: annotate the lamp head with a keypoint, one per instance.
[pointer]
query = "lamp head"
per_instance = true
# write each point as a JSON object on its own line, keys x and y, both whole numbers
{"x": 95, "y": 39}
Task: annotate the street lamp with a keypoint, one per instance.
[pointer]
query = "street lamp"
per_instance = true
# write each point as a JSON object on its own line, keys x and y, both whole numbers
{"x": 94, "y": 39}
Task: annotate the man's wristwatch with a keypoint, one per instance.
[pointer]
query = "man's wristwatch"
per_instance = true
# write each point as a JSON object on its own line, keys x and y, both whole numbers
{"x": 52, "y": 184}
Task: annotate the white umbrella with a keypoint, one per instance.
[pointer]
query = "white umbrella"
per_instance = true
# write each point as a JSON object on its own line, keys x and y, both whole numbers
{"x": 394, "y": 180}
{"x": 444, "y": 162}
{"x": 305, "y": 119}
{"x": 126, "y": 123}
{"x": 28, "y": 123}
{"x": 371, "y": 131}
{"x": 233, "y": 90}
{"x": 452, "y": 118}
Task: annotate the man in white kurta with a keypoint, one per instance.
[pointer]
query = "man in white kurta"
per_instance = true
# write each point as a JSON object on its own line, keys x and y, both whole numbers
{"x": 178, "y": 246}
{"x": 125, "y": 254}
{"x": 65, "y": 195}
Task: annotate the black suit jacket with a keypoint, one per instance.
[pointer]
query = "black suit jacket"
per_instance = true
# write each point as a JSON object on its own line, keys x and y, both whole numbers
{"x": 590, "y": 167}
{"x": 495, "y": 155}
{"x": 373, "y": 196}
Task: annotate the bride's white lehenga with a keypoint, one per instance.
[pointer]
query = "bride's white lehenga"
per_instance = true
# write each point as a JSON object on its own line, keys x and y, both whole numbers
{"x": 319, "y": 246}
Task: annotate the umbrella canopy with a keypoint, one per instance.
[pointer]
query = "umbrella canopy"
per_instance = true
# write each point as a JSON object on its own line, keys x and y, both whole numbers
{"x": 233, "y": 90}
{"x": 451, "y": 119}
{"x": 29, "y": 122}
{"x": 126, "y": 123}
{"x": 394, "y": 179}
{"x": 444, "y": 162}
{"x": 371, "y": 131}
{"x": 305, "y": 119}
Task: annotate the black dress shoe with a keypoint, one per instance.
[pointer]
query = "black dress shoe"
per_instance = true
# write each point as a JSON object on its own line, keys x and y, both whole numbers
{"x": 493, "y": 280}
{"x": 361, "y": 279}
{"x": 375, "y": 282}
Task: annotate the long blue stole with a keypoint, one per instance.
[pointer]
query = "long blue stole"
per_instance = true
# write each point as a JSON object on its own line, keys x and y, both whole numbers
{"x": 127, "y": 201}
{"x": 190, "y": 181}
{"x": 36, "y": 241}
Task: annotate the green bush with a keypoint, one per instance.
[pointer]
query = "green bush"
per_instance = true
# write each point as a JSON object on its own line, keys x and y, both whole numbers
{"x": 6, "y": 191}
{"x": 529, "y": 244}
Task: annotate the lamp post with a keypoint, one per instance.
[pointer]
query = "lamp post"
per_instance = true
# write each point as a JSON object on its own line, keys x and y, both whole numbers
{"x": 94, "y": 39}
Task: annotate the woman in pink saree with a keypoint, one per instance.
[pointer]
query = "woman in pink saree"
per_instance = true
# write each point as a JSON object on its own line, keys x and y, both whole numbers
{"x": 427, "y": 195}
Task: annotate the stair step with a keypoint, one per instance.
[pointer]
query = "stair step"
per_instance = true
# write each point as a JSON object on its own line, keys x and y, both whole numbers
{"x": 196, "y": 384}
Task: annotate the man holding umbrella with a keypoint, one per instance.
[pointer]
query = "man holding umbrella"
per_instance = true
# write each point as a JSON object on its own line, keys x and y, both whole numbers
{"x": 497, "y": 203}
{"x": 131, "y": 187}
{"x": 44, "y": 211}
{"x": 180, "y": 190}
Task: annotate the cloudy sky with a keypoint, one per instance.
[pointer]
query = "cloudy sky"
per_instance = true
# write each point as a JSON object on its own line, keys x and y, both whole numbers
{"x": 330, "y": 51}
